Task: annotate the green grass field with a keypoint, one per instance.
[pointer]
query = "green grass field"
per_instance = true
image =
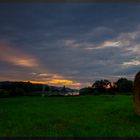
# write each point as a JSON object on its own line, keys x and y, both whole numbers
{"x": 95, "y": 116}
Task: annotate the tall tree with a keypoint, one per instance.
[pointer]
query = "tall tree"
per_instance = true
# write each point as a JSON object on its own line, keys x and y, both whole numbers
{"x": 124, "y": 85}
{"x": 101, "y": 85}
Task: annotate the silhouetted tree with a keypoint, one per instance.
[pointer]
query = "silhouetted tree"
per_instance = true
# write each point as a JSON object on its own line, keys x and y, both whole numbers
{"x": 124, "y": 85}
{"x": 101, "y": 85}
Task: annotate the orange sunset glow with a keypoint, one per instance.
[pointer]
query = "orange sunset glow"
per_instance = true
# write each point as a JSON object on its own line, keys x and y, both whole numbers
{"x": 69, "y": 68}
{"x": 19, "y": 58}
{"x": 16, "y": 56}
{"x": 59, "y": 82}
{"x": 61, "y": 50}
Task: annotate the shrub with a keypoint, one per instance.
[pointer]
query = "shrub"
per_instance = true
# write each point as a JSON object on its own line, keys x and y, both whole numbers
{"x": 86, "y": 91}
{"x": 4, "y": 93}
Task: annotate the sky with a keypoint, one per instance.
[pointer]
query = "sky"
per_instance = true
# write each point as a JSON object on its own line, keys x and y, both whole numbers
{"x": 71, "y": 44}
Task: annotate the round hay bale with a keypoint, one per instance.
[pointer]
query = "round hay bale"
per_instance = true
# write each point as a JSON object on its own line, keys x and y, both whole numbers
{"x": 136, "y": 93}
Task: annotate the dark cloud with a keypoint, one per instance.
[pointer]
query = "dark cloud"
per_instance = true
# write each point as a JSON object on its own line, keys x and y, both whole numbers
{"x": 77, "y": 42}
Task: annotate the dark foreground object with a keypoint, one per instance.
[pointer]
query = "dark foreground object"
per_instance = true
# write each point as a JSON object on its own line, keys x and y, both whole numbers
{"x": 137, "y": 93}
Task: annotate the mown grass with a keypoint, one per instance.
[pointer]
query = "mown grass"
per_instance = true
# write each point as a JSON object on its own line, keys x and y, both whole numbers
{"x": 95, "y": 116}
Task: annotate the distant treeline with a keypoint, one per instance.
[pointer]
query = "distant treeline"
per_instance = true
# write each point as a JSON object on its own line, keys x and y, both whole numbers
{"x": 18, "y": 88}
{"x": 121, "y": 86}
{"x": 11, "y": 89}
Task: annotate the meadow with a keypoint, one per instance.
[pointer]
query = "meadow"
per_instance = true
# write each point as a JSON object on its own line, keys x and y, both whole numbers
{"x": 84, "y": 116}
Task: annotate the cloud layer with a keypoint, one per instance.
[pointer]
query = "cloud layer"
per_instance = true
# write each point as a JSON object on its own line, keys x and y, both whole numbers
{"x": 72, "y": 44}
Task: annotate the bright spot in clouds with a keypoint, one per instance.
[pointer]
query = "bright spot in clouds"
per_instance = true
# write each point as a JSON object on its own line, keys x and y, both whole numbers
{"x": 15, "y": 56}
{"x": 111, "y": 44}
{"x": 131, "y": 63}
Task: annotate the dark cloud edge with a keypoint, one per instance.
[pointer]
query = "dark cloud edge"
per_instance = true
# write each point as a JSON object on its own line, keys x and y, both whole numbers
{"x": 70, "y": 1}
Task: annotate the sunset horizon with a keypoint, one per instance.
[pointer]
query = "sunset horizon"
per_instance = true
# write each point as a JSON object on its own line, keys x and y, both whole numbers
{"x": 69, "y": 69}
{"x": 69, "y": 44}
